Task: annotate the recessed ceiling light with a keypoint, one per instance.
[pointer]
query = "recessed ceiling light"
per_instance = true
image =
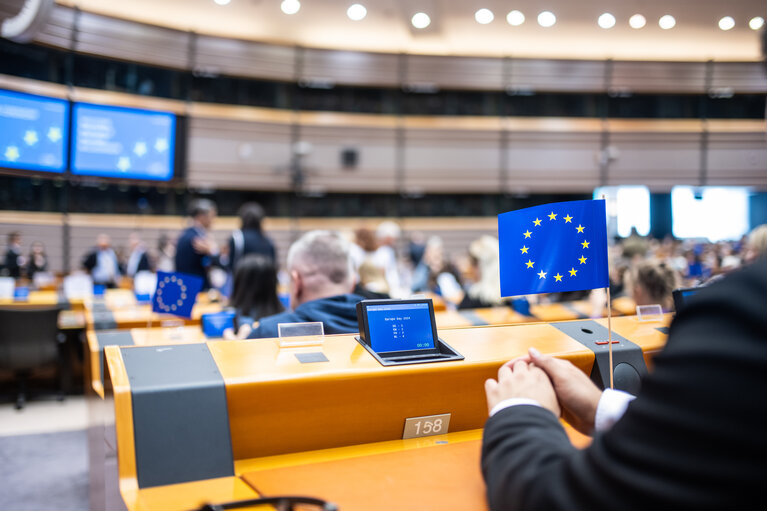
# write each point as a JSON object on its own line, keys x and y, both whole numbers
{"x": 290, "y": 6}
{"x": 515, "y": 18}
{"x": 666, "y": 22}
{"x": 420, "y": 20}
{"x": 356, "y": 12}
{"x": 484, "y": 16}
{"x": 606, "y": 20}
{"x": 637, "y": 21}
{"x": 222, "y": 2}
{"x": 547, "y": 19}
{"x": 726, "y": 23}
{"x": 756, "y": 23}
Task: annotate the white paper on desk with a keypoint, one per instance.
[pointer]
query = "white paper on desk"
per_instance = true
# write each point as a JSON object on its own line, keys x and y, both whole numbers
{"x": 7, "y": 287}
{"x": 144, "y": 283}
{"x": 78, "y": 285}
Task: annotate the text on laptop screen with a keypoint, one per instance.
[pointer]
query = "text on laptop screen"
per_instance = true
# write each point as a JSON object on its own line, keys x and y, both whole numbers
{"x": 400, "y": 327}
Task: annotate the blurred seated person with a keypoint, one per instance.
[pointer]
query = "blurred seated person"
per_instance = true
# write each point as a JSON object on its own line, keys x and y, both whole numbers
{"x": 372, "y": 281}
{"x": 756, "y": 244}
{"x": 436, "y": 274}
{"x": 321, "y": 283}
{"x": 14, "y": 260}
{"x": 254, "y": 291}
{"x": 196, "y": 250}
{"x": 137, "y": 259}
{"x": 102, "y": 263}
{"x": 385, "y": 256}
{"x": 486, "y": 289}
{"x": 364, "y": 247}
{"x": 249, "y": 238}
{"x": 38, "y": 260}
{"x": 652, "y": 282}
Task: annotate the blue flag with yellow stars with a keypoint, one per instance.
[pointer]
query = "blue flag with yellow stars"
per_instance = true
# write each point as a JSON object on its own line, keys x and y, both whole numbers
{"x": 552, "y": 248}
{"x": 175, "y": 293}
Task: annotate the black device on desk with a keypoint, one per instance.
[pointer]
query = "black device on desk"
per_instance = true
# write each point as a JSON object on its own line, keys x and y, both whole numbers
{"x": 400, "y": 332}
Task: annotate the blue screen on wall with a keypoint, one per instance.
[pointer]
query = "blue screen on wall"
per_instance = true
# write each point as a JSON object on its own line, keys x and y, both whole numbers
{"x": 33, "y": 132}
{"x": 400, "y": 327}
{"x": 122, "y": 142}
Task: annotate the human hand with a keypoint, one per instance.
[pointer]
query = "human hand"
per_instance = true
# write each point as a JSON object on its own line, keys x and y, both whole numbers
{"x": 206, "y": 246}
{"x": 577, "y": 394}
{"x": 242, "y": 333}
{"x": 521, "y": 380}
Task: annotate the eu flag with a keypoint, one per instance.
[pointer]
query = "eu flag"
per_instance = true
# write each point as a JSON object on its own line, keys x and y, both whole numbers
{"x": 552, "y": 248}
{"x": 175, "y": 293}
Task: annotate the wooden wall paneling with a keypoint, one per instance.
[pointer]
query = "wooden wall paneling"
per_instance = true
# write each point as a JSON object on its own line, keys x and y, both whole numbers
{"x": 671, "y": 77}
{"x": 237, "y": 57}
{"x": 739, "y": 77}
{"x": 57, "y": 30}
{"x": 136, "y": 42}
{"x": 349, "y": 67}
{"x": 553, "y": 161}
{"x": 556, "y": 75}
{"x": 737, "y": 159}
{"x": 659, "y": 160}
{"x": 454, "y": 72}
{"x": 225, "y": 153}
{"x": 457, "y": 161}
{"x": 376, "y": 159}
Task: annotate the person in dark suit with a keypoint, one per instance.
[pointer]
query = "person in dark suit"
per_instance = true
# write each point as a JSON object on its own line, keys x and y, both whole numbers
{"x": 196, "y": 250}
{"x": 102, "y": 263}
{"x": 38, "y": 260}
{"x": 249, "y": 239}
{"x": 692, "y": 439}
{"x": 14, "y": 260}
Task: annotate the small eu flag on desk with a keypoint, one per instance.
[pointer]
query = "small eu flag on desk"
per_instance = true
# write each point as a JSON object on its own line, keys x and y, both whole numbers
{"x": 175, "y": 293}
{"x": 553, "y": 248}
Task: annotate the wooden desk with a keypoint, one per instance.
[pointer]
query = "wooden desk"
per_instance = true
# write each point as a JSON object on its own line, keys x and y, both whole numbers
{"x": 278, "y": 406}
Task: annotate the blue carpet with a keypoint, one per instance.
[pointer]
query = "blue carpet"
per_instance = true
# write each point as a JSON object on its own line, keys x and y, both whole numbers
{"x": 44, "y": 471}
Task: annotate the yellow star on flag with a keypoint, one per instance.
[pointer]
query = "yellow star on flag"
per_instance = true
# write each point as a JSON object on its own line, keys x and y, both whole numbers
{"x": 541, "y": 274}
{"x": 558, "y": 277}
{"x": 582, "y": 260}
{"x": 537, "y": 221}
{"x": 580, "y": 228}
{"x": 527, "y": 234}
{"x": 552, "y": 216}
{"x": 524, "y": 249}
{"x": 530, "y": 263}
{"x": 573, "y": 271}
{"x": 585, "y": 244}
{"x": 568, "y": 218}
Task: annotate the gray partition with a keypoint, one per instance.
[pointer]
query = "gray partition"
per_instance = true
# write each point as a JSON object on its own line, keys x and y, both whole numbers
{"x": 376, "y": 154}
{"x": 459, "y": 161}
{"x": 634, "y": 76}
{"x": 739, "y": 77}
{"x": 454, "y": 72}
{"x": 57, "y": 31}
{"x": 226, "y": 153}
{"x": 553, "y": 162}
{"x": 555, "y": 75}
{"x": 236, "y": 57}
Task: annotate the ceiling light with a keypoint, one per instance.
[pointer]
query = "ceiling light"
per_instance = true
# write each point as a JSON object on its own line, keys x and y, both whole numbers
{"x": 515, "y": 18}
{"x": 756, "y": 23}
{"x": 666, "y": 22}
{"x": 222, "y": 2}
{"x": 484, "y": 16}
{"x": 726, "y": 23}
{"x": 290, "y": 6}
{"x": 637, "y": 21}
{"x": 547, "y": 19}
{"x": 356, "y": 12}
{"x": 420, "y": 20}
{"x": 606, "y": 20}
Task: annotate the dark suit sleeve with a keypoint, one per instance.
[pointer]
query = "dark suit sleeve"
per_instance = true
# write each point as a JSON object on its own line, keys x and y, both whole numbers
{"x": 89, "y": 261}
{"x": 693, "y": 439}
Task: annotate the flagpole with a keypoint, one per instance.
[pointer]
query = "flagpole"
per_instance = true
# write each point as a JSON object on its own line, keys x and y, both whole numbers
{"x": 610, "y": 332}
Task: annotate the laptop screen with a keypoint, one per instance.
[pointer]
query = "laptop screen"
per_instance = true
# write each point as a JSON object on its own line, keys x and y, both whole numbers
{"x": 400, "y": 327}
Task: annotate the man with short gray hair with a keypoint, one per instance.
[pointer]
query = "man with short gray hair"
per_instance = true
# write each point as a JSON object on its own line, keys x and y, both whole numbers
{"x": 321, "y": 283}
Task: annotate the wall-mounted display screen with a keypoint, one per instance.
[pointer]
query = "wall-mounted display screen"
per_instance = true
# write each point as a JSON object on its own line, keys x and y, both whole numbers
{"x": 122, "y": 142}
{"x": 33, "y": 132}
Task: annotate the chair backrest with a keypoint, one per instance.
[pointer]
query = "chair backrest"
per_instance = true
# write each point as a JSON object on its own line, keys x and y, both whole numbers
{"x": 28, "y": 336}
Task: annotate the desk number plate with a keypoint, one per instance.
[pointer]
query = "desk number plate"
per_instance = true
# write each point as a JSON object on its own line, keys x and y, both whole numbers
{"x": 426, "y": 426}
